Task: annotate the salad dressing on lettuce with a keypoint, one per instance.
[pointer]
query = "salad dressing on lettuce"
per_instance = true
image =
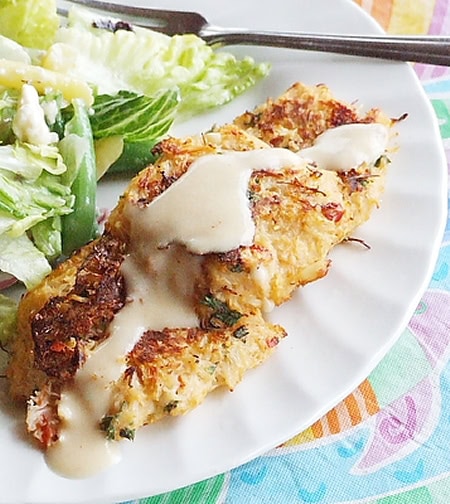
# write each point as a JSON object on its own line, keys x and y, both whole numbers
{"x": 206, "y": 210}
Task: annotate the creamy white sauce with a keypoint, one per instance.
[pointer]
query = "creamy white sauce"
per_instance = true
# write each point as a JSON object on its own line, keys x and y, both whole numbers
{"x": 159, "y": 295}
{"x": 347, "y": 146}
{"x": 29, "y": 122}
{"x": 205, "y": 210}
{"x": 262, "y": 276}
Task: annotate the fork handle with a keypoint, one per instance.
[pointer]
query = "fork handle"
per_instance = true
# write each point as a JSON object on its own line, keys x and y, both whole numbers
{"x": 429, "y": 49}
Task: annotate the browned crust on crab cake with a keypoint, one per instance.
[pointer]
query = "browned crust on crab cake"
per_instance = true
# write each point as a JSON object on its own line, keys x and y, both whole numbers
{"x": 65, "y": 315}
{"x": 297, "y": 117}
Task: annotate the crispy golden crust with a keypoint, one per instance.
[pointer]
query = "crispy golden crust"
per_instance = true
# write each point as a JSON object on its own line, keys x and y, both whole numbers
{"x": 65, "y": 315}
{"x": 300, "y": 214}
{"x": 300, "y": 115}
{"x": 22, "y": 372}
{"x": 172, "y": 371}
{"x": 67, "y": 325}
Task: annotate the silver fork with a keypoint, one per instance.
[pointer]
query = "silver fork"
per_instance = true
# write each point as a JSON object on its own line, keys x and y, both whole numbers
{"x": 420, "y": 49}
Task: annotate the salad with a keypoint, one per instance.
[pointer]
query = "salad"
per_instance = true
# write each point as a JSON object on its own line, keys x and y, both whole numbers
{"x": 80, "y": 98}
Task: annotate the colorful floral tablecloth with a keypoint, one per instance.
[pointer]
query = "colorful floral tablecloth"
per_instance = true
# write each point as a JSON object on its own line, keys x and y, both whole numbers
{"x": 389, "y": 441}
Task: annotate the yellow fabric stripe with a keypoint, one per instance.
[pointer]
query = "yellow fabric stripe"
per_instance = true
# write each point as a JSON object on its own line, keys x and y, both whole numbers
{"x": 411, "y": 16}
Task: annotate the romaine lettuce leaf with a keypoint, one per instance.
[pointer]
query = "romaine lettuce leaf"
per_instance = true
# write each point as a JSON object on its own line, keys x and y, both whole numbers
{"x": 19, "y": 257}
{"x": 24, "y": 203}
{"x": 221, "y": 80}
{"x": 126, "y": 127}
{"x": 134, "y": 157}
{"x": 147, "y": 62}
{"x": 135, "y": 117}
{"x": 8, "y": 105}
{"x": 8, "y": 318}
{"x": 31, "y": 23}
{"x": 33, "y": 197}
{"x": 46, "y": 236}
{"x": 28, "y": 161}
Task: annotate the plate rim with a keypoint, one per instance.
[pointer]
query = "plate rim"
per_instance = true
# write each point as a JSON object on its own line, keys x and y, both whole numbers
{"x": 432, "y": 258}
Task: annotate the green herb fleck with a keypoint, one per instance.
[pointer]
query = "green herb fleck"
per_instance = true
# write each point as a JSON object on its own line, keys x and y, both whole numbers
{"x": 170, "y": 406}
{"x": 222, "y": 314}
{"x": 252, "y": 196}
{"x": 127, "y": 433}
{"x": 211, "y": 369}
{"x": 236, "y": 267}
{"x": 240, "y": 333}
{"x": 380, "y": 160}
{"x": 108, "y": 425}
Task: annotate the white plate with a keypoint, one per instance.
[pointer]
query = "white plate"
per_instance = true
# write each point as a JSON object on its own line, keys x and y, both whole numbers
{"x": 339, "y": 327}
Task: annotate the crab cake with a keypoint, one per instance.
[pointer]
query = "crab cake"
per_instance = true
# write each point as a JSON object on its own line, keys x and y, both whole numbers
{"x": 169, "y": 303}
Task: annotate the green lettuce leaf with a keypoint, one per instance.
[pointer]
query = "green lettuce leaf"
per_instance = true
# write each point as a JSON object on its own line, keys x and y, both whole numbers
{"x": 24, "y": 203}
{"x": 19, "y": 257}
{"x": 46, "y": 236}
{"x": 8, "y": 106}
{"x": 135, "y": 117}
{"x": 8, "y": 318}
{"x": 221, "y": 80}
{"x": 147, "y": 62}
{"x": 28, "y": 161}
{"x": 29, "y": 22}
{"x": 135, "y": 156}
